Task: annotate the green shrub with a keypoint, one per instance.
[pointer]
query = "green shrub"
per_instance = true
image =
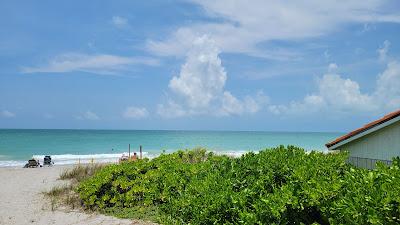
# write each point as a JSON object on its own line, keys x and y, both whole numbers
{"x": 283, "y": 185}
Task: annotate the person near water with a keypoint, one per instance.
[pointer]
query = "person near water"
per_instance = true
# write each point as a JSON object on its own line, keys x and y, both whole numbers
{"x": 134, "y": 157}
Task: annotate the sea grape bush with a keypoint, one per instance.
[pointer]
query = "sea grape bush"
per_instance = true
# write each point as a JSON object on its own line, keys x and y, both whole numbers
{"x": 283, "y": 185}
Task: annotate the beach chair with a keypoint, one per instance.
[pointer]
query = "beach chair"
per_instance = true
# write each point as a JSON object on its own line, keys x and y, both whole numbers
{"x": 47, "y": 161}
{"x": 32, "y": 163}
{"x": 123, "y": 158}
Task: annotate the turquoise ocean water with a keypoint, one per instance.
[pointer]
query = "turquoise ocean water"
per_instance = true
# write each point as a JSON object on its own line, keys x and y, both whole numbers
{"x": 69, "y": 146}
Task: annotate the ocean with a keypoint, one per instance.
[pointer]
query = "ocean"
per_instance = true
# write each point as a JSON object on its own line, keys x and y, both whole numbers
{"x": 71, "y": 146}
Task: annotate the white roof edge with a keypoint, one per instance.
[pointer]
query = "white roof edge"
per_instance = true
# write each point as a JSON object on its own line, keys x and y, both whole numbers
{"x": 363, "y": 133}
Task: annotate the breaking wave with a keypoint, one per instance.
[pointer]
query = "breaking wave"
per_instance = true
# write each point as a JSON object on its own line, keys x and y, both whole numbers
{"x": 70, "y": 159}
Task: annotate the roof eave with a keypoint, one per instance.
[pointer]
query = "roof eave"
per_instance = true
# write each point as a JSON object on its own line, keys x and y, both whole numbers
{"x": 363, "y": 133}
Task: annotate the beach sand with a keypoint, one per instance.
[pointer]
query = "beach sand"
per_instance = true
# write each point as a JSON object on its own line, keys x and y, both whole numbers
{"x": 22, "y": 200}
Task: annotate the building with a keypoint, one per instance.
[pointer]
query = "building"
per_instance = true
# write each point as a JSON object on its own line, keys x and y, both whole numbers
{"x": 376, "y": 141}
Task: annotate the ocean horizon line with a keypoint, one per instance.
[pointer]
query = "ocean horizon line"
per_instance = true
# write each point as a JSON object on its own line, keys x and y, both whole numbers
{"x": 183, "y": 130}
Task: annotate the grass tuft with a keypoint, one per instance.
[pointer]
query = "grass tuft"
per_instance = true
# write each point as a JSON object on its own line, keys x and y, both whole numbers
{"x": 65, "y": 195}
{"x": 80, "y": 172}
{"x": 62, "y": 195}
{"x": 57, "y": 191}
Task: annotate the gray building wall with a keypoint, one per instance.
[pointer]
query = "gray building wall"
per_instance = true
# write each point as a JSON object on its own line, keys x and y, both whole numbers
{"x": 383, "y": 144}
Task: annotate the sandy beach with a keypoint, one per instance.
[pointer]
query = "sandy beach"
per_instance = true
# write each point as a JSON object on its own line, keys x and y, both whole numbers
{"x": 22, "y": 201}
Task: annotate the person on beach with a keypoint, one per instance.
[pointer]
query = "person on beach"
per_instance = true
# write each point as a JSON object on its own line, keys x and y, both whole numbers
{"x": 134, "y": 157}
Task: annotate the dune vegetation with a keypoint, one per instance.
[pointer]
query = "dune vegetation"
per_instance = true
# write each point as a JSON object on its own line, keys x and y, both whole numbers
{"x": 65, "y": 195}
{"x": 283, "y": 185}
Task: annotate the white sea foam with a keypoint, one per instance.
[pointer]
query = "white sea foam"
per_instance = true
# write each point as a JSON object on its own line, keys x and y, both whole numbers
{"x": 232, "y": 153}
{"x": 11, "y": 163}
{"x": 68, "y": 159}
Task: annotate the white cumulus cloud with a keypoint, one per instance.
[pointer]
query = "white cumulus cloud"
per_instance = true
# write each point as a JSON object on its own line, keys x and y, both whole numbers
{"x": 200, "y": 86}
{"x": 233, "y": 106}
{"x": 202, "y": 77}
{"x": 132, "y": 112}
{"x": 388, "y": 85}
{"x": 342, "y": 95}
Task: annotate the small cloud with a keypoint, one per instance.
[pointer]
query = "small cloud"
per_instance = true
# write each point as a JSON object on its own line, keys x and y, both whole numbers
{"x": 368, "y": 27}
{"x": 359, "y": 51}
{"x": 7, "y": 114}
{"x": 91, "y": 45}
{"x": 135, "y": 113}
{"x": 98, "y": 63}
{"x": 382, "y": 51}
{"x": 48, "y": 116}
{"x": 171, "y": 110}
{"x": 332, "y": 67}
{"x": 327, "y": 55}
{"x": 250, "y": 104}
{"x": 119, "y": 21}
{"x": 88, "y": 115}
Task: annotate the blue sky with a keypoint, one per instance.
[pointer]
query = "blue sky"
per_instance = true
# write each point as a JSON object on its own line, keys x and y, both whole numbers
{"x": 209, "y": 65}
